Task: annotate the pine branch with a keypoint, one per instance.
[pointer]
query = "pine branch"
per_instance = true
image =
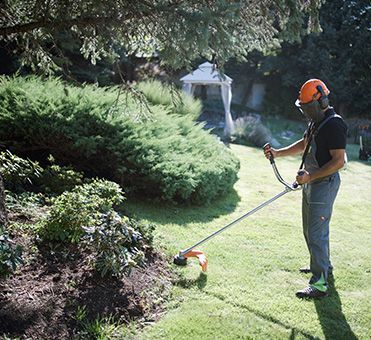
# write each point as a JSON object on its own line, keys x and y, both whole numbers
{"x": 59, "y": 24}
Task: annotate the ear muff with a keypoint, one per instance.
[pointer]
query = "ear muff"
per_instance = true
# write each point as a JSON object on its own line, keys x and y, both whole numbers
{"x": 323, "y": 100}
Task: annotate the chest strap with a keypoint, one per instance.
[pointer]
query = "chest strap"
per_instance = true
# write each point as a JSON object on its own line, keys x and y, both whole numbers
{"x": 312, "y": 132}
{"x": 316, "y": 130}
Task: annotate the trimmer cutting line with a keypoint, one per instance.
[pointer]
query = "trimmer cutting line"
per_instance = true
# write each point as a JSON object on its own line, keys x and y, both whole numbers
{"x": 181, "y": 258}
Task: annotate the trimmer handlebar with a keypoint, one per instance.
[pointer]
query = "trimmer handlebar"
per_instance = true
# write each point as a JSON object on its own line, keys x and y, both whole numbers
{"x": 295, "y": 185}
{"x": 266, "y": 147}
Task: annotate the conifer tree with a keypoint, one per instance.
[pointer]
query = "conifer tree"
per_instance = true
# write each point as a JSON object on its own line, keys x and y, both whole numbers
{"x": 179, "y": 30}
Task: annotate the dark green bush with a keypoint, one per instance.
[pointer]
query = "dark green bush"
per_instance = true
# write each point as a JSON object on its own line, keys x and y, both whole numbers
{"x": 10, "y": 254}
{"x": 90, "y": 128}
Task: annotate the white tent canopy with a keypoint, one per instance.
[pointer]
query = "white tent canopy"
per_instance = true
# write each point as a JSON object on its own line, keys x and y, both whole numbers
{"x": 206, "y": 74}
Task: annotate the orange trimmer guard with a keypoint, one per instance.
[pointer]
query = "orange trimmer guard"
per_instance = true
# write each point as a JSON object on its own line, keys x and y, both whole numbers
{"x": 202, "y": 259}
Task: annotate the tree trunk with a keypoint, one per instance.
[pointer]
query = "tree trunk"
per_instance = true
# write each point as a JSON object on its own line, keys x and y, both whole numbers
{"x": 3, "y": 214}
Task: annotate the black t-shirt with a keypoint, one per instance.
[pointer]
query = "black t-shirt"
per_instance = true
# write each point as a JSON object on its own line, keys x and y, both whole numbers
{"x": 331, "y": 136}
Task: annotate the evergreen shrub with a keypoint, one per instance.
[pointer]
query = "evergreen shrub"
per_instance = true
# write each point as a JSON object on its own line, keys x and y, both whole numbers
{"x": 95, "y": 131}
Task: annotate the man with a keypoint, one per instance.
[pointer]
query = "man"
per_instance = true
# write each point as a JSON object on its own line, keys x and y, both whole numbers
{"x": 323, "y": 146}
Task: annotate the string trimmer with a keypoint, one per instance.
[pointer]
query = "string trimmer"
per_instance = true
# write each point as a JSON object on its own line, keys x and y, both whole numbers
{"x": 181, "y": 258}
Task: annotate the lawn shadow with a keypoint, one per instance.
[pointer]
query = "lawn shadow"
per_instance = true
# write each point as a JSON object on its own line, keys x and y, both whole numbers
{"x": 164, "y": 212}
{"x": 331, "y": 317}
{"x": 200, "y": 282}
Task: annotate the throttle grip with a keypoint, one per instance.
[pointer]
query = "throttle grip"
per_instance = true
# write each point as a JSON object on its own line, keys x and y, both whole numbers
{"x": 265, "y": 147}
{"x": 296, "y": 184}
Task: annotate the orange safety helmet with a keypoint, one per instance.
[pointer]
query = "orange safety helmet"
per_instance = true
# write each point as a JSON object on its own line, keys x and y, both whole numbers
{"x": 313, "y": 89}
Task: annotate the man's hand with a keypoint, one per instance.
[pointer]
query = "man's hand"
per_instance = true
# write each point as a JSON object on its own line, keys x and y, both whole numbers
{"x": 269, "y": 150}
{"x": 304, "y": 177}
{"x": 336, "y": 162}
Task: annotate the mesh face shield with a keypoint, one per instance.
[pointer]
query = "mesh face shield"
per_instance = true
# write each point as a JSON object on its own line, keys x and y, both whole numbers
{"x": 312, "y": 110}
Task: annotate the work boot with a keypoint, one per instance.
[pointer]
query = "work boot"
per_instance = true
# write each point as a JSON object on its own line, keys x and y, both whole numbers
{"x": 310, "y": 292}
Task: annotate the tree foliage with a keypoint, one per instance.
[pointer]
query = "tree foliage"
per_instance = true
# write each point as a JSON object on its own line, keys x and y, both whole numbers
{"x": 180, "y": 30}
{"x": 340, "y": 56}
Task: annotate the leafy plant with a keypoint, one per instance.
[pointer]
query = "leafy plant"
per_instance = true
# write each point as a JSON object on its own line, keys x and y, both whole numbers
{"x": 56, "y": 179}
{"x": 86, "y": 216}
{"x": 26, "y": 204}
{"x": 100, "y": 328}
{"x": 79, "y": 208}
{"x": 18, "y": 172}
{"x": 116, "y": 244}
{"x": 10, "y": 254}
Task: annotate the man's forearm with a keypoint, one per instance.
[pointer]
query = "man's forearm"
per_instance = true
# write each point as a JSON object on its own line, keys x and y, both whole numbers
{"x": 329, "y": 168}
{"x": 293, "y": 149}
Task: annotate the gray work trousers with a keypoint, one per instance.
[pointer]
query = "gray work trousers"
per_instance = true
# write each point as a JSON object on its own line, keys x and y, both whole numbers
{"x": 318, "y": 200}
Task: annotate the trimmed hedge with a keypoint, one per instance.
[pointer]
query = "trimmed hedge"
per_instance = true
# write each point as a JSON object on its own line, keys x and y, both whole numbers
{"x": 96, "y": 131}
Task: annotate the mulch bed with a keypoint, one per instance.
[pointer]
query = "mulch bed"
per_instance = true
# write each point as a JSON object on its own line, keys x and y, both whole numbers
{"x": 40, "y": 300}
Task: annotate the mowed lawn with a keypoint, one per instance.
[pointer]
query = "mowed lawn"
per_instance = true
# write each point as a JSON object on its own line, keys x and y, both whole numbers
{"x": 249, "y": 288}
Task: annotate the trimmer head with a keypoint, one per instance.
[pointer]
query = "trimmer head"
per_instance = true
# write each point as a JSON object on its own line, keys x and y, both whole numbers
{"x": 181, "y": 259}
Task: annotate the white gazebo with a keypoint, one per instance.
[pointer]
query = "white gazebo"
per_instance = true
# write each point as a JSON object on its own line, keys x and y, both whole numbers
{"x": 207, "y": 74}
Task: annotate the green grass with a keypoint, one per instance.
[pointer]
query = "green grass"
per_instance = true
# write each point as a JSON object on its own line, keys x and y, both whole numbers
{"x": 249, "y": 289}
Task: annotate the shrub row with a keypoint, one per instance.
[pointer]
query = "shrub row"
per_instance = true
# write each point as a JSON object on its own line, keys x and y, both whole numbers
{"x": 96, "y": 131}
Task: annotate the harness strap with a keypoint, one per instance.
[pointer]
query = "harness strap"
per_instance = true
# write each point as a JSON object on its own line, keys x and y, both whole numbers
{"x": 312, "y": 132}
{"x": 325, "y": 121}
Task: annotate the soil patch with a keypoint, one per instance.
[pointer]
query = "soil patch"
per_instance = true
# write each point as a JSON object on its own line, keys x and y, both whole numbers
{"x": 42, "y": 299}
